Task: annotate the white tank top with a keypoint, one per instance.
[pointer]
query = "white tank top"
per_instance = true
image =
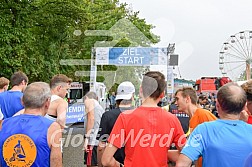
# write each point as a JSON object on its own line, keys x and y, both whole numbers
{"x": 53, "y": 98}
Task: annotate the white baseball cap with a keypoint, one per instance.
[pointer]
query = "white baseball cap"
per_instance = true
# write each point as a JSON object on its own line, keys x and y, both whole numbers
{"x": 125, "y": 91}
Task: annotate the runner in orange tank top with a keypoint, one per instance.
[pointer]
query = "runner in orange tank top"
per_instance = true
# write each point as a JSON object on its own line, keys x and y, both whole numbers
{"x": 186, "y": 100}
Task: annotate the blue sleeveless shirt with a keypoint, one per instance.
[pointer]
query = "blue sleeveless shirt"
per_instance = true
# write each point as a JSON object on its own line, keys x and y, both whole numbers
{"x": 23, "y": 141}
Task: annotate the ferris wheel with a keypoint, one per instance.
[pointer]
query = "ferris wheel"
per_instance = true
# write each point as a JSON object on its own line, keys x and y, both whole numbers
{"x": 236, "y": 56}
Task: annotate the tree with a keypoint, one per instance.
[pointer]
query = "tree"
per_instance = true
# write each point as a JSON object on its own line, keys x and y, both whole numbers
{"x": 32, "y": 33}
{"x": 35, "y": 35}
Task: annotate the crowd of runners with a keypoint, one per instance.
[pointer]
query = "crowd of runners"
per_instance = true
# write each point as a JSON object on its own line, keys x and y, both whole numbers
{"x": 192, "y": 130}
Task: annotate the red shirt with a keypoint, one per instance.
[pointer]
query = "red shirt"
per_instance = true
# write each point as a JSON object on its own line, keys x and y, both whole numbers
{"x": 147, "y": 133}
{"x": 250, "y": 119}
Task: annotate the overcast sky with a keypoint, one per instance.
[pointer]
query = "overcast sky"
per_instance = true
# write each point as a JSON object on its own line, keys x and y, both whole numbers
{"x": 198, "y": 27}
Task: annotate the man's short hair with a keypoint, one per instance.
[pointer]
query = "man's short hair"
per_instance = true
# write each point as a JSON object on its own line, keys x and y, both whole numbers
{"x": 36, "y": 94}
{"x": 231, "y": 98}
{"x": 91, "y": 95}
{"x": 188, "y": 91}
{"x": 59, "y": 79}
{"x": 3, "y": 82}
{"x": 247, "y": 87}
{"x": 153, "y": 84}
{"x": 17, "y": 78}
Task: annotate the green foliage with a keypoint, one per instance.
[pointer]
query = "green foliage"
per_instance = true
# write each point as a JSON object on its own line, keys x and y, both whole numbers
{"x": 35, "y": 35}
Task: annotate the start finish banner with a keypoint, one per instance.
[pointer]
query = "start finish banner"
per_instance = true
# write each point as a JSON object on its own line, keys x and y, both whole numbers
{"x": 131, "y": 56}
{"x": 155, "y": 58}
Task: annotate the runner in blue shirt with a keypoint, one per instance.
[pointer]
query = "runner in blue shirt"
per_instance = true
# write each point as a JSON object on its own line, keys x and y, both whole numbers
{"x": 225, "y": 142}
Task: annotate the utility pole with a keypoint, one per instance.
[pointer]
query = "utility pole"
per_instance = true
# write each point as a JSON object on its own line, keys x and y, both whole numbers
{"x": 93, "y": 71}
{"x": 170, "y": 65}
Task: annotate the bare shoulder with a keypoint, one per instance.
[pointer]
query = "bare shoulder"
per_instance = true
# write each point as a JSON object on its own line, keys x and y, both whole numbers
{"x": 54, "y": 126}
{"x": 89, "y": 103}
{"x": 54, "y": 131}
{"x": 61, "y": 101}
{"x": 58, "y": 104}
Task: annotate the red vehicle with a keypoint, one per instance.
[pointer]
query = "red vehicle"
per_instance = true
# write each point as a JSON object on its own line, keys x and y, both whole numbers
{"x": 210, "y": 84}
